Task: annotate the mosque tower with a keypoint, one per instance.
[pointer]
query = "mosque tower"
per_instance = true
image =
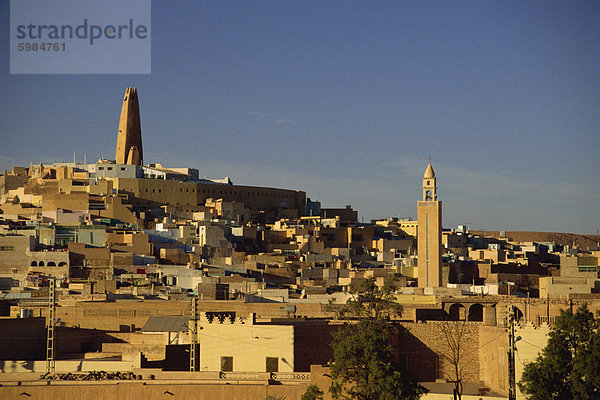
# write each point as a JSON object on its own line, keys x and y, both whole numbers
{"x": 429, "y": 233}
{"x": 129, "y": 139}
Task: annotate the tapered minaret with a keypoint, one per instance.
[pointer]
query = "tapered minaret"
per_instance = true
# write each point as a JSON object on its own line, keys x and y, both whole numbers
{"x": 129, "y": 140}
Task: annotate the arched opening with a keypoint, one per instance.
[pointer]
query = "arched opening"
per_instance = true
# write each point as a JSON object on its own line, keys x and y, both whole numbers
{"x": 34, "y": 263}
{"x": 428, "y": 196}
{"x": 476, "y": 312}
{"x": 51, "y": 264}
{"x": 62, "y": 264}
{"x": 41, "y": 264}
{"x": 457, "y": 312}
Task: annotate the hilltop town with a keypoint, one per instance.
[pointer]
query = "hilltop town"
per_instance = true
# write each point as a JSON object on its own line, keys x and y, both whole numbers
{"x": 120, "y": 271}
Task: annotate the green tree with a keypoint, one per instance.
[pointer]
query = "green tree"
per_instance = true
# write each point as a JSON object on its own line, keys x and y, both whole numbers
{"x": 362, "y": 367}
{"x": 569, "y": 366}
{"x": 312, "y": 393}
{"x": 369, "y": 301}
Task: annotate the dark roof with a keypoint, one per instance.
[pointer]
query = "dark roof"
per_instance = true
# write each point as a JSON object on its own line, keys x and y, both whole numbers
{"x": 166, "y": 324}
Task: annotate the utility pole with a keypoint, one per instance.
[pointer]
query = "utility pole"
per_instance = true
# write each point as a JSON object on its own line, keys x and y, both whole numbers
{"x": 194, "y": 333}
{"x": 50, "y": 322}
{"x": 512, "y": 384}
{"x": 548, "y": 309}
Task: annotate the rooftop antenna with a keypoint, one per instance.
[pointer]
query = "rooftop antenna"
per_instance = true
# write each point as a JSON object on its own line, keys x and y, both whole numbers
{"x": 85, "y": 158}
{"x": 74, "y": 162}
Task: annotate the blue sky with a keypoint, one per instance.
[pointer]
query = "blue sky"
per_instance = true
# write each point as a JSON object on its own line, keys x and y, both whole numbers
{"x": 347, "y": 100}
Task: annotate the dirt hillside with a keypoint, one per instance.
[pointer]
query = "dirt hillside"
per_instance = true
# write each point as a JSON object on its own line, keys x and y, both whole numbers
{"x": 582, "y": 241}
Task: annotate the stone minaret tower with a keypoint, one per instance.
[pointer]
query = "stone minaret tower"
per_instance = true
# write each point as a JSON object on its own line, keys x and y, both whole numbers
{"x": 429, "y": 233}
{"x": 129, "y": 140}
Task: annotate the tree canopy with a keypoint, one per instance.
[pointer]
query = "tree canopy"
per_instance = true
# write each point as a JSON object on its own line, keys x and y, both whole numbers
{"x": 369, "y": 301}
{"x": 363, "y": 367}
{"x": 313, "y": 392}
{"x": 569, "y": 366}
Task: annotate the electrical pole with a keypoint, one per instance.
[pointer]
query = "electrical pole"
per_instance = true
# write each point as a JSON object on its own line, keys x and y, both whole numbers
{"x": 194, "y": 333}
{"x": 548, "y": 309}
{"x": 512, "y": 384}
{"x": 50, "y": 322}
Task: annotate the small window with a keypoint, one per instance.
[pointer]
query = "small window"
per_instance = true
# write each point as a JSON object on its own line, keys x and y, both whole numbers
{"x": 226, "y": 364}
{"x": 272, "y": 364}
{"x": 109, "y": 168}
{"x": 101, "y": 168}
{"x": 123, "y": 168}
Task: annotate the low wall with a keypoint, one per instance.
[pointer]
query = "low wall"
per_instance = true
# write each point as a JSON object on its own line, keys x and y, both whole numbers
{"x": 11, "y": 366}
{"x": 149, "y": 391}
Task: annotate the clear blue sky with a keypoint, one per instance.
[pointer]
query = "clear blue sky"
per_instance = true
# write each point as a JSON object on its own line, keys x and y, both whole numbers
{"x": 346, "y": 100}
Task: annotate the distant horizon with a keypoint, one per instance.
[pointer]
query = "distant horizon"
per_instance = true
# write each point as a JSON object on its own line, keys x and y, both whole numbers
{"x": 360, "y": 216}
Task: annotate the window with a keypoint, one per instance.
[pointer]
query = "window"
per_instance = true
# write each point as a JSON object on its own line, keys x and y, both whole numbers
{"x": 7, "y": 248}
{"x": 122, "y": 168}
{"x": 272, "y": 364}
{"x": 109, "y": 168}
{"x": 226, "y": 364}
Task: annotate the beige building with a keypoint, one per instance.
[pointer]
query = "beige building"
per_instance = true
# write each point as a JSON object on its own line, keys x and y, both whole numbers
{"x": 578, "y": 274}
{"x": 429, "y": 237}
{"x": 233, "y": 344}
{"x": 245, "y": 346}
{"x": 15, "y": 253}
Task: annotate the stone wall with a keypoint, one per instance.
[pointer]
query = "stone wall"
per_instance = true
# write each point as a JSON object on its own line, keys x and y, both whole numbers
{"x": 422, "y": 350}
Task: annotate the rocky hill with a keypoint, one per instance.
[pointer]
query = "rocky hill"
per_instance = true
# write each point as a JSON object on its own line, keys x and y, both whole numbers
{"x": 581, "y": 241}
